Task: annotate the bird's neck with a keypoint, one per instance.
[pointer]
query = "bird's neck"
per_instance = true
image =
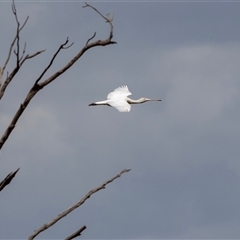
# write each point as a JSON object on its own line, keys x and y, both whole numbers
{"x": 132, "y": 101}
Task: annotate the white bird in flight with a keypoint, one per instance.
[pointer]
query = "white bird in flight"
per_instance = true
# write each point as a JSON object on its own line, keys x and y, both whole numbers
{"x": 119, "y": 99}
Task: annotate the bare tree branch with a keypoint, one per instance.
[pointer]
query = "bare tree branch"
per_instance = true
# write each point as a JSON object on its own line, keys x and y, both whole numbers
{"x": 15, "y": 38}
{"x": 78, "y": 204}
{"x": 76, "y": 234}
{"x": 23, "y": 52}
{"x": 19, "y": 59}
{"x": 31, "y": 56}
{"x": 14, "y": 72}
{"x": 62, "y": 46}
{"x": 37, "y": 86}
{"x": 66, "y": 47}
{"x": 32, "y": 92}
{"x": 90, "y": 38}
{"x": 108, "y": 19}
{"x": 14, "y": 10}
{"x": 7, "y": 179}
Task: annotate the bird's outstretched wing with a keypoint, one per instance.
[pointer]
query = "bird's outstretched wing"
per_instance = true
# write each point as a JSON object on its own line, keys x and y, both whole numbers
{"x": 121, "y": 106}
{"x": 120, "y": 92}
{"x": 118, "y": 99}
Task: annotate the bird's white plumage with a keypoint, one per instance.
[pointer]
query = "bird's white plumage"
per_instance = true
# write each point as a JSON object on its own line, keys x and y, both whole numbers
{"x": 120, "y": 105}
{"x": 119, "y": 92}
{"x": 118, "y": 99}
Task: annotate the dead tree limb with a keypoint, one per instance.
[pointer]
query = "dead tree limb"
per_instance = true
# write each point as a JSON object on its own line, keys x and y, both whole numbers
{"x": 78, "y": 204}
{"x": 108, "y": 20}
{"x": 76, "y": 234}
{"x": 7, "y": 179}
{"x": 20, "y": 59}
{"x": 37, "y": 86}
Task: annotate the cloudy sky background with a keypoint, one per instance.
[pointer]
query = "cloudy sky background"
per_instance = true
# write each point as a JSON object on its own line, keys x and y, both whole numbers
{"x": 183, "y": 152}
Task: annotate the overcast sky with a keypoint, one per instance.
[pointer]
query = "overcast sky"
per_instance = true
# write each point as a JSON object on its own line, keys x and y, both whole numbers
{"x": 183, "y": 152}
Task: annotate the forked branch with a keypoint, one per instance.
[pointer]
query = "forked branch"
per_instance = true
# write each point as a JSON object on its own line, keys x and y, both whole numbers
{"x": 78, "y": 204}
{"x": 62, "y": 46}
{"x": 19, "y": 28}
{"x": 37, "y": 86}
{"x": 108, "y": 20}
{"x": 20, "y": 59}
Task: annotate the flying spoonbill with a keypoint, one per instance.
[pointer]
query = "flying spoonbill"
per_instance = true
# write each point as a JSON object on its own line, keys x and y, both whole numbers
{"x": 119, "y": 99}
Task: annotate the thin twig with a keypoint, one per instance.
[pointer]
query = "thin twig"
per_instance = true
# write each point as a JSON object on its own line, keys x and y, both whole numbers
{"x": 23, "y": 52}
{"x": 78, "y": 204}
{"x": 52, "y": 60}
{"x": 108, "y": 19}
{"x": 14, "y": 72}
{"x": 31, "y": 56}
{"x": 90, "y": 39}
{"x": 66, "y": 47}
{"x": 15, "y": 38}
{"x": 3, "y": 85}
{"x": 76, "y": 234}
{"x": 88, "y": 5}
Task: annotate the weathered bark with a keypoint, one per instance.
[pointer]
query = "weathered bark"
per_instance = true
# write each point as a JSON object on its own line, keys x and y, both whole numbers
{"x": 76, "y": 205}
